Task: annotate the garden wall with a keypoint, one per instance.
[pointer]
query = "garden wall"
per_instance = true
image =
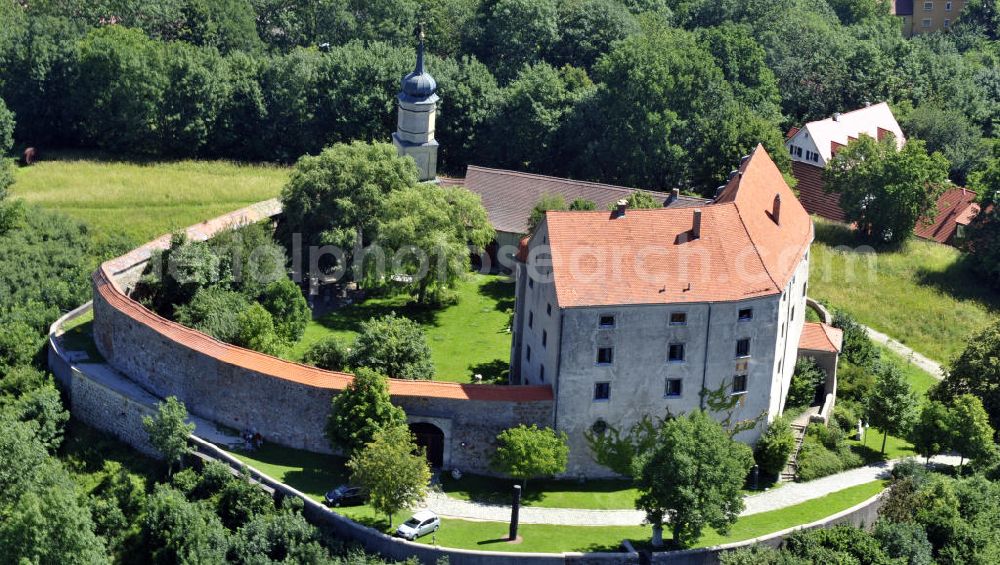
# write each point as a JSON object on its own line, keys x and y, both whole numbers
{"x": 285, "y": 402}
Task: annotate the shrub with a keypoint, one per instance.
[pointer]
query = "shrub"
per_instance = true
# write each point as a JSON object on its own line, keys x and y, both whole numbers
{"x": 858, "y": 348}
{"x": 824, "y": 453}
{"x": 905, "y": 541}
{"x": 214, "y": 311}
{"x": 845, "y": 416}
{"x": 284, "y": 300}
{"x": 774, "y": 447}
{"x": 256, "y": 331}
{"x": 839, "y": 544}
{"x": 806, "y": 381}
{"x": 329, "y": 353}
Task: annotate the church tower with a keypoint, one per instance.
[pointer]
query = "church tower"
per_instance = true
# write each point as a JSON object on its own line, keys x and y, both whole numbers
{"x": 415, "y": 127}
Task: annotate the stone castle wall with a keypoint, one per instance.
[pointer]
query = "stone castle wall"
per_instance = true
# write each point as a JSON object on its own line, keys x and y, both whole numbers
{"x": 285, "y": 402}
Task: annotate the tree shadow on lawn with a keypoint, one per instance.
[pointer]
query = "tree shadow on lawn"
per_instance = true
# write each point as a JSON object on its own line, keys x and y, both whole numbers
{"x": 350, "y": 318}
{"x": 492, "y": 490}
{"x": 961, "y": 282}
{"x": 501, "y": 290}
{"x": 495, "y": 372}
{"x": 317, "y": 473}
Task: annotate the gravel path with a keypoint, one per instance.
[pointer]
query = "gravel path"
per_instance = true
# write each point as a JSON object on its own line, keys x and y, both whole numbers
{"x": 931, "y": 367}
{"x": 788, "y": 494}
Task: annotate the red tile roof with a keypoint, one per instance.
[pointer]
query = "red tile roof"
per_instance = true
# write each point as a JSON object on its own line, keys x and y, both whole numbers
{"x": 509, "y": 196}
{"x": 812, "y": 195}
{"x": 956, "y": 206}
{"x": 821, "y": 337}
{"x": 648, "y": 256}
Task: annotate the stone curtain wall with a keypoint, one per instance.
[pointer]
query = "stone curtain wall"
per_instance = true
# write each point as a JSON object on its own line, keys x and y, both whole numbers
{"x": 285, "y": 402}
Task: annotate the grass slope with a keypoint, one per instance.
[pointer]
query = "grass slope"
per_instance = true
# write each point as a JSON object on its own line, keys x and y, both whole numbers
{"x": 923, "y": 294}
{"x": 144, "y": 200}
{"x": 466, "y": 338}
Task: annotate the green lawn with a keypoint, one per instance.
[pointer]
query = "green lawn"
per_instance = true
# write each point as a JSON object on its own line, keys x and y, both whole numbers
{"x": 311, "y": 473}
{"x": 554, "y": 539}
{"x": 594, "y": 494}
{"x": 144, "y": 200}
{"x": 924, "y": 295}
{"x": 466, "y": 338}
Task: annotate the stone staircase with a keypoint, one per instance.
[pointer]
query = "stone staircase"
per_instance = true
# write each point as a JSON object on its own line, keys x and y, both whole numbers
{"x": 799, "y": 429}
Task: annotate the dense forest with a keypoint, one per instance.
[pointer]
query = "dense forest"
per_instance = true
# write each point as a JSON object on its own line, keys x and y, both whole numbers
{"x": 651, "y": 93}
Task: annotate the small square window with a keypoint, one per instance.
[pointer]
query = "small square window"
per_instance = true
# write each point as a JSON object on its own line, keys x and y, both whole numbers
{"x": 739, "y": 384}
{"x": 548, "y": 309}
{"x": 602, "y": 391}
{"x": 743, "y": 347}
{"x": 947, "y": 6}
{"x": 678, "y": 318}
{"x": 531, "y": 319}
{"x": 605, "y": 355}
{"x": 676, "y": 353}
{"x": 947, "y": 23}
{"x": 746, "y": 314}
{"x": 926, "y": 22}
{"x": 527, "y": 352}
{"x": 606, "y": 321}
{"x": 928, "y": 6}
{"x": 673, "y": 387}
{"x": 545, "y": 338}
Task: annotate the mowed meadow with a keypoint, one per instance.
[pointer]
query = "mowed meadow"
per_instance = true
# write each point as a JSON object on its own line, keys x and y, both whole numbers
{"x": 144, "y": 199}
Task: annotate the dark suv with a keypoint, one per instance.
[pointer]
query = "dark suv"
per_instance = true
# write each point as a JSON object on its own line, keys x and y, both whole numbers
{"x": 345, "y": 495}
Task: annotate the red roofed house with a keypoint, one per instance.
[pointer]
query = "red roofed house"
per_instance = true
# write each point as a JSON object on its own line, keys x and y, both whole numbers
{"x": 814, "y": 144}
{"x": 632, "y": 313}
{"x": 956, "y": 208}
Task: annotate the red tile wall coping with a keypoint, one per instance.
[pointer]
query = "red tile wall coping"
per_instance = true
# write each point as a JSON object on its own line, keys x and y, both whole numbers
{"x": 110, "y": 290}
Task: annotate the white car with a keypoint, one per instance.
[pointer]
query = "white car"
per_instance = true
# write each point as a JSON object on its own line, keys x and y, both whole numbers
{"x": 421, "y": 524}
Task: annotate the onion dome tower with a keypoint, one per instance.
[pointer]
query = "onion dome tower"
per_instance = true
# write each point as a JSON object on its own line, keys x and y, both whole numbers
{"x": 414, "y": 134}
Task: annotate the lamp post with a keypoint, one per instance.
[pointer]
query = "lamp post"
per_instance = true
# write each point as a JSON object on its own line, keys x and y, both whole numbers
{"x": 756, "y": 476}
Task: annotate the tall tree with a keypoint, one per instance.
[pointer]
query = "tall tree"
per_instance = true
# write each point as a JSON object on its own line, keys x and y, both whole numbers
{"x": 891, "y": 405}
{"x": 931, "y": 432}
{"x": 530, "y": 452}
{"x": 692, "y": 478}
{"x": 336, "y": 197}
{"x": 971, "y": 433}
{"x": 885, "y": 191}
{"x": 393, "y": 470}
{"x": 977, "y": 372}
{"x": 511, "y": 33}
{"x": 359, "y": 411}
{"x": 168, "y": 430}
{"x": 983, "y": 236}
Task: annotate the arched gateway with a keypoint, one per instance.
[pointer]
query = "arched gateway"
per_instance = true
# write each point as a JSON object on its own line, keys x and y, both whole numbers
{"x": 431, "y": 438}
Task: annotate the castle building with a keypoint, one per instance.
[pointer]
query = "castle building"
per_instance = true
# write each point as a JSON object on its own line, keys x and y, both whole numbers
{"x": 414, "y": 136}
{"x": 634, "y": 313}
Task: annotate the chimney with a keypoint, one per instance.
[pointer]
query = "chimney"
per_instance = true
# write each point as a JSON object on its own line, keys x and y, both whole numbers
{"x": 620, "y": 207}
{"x": 836, "y": 116}
{"x": 696, "y": 228}
{"x": 776, "y": 212}
{"x": 675, "y": 195}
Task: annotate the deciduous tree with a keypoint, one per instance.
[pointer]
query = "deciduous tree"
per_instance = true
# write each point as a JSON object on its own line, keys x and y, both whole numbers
{"x": 977, "y": 372}
{"x": 530, "y": 452}
{"x": 359, "y": 411}
{"x": 168, "y": 430}
{"x": 931, "y": 433}
{"x": 393, "y": 470}
{"x": 883, "y": 190}
{"x": 692, "y": 478}
{"x": 393, "y": 346}
{"x": 892, "y": 402}
{"x": 971, "y": 433}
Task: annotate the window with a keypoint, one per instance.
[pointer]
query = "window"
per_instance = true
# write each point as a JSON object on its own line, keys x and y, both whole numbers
{"x": 928, "y": 6}
{"x": 531, "y": 319}
{"x": 960, "y": 231}
{"x": 602, "y": 391}
{"x": 606, "y": 321}
{"x": 809, "y": 155}
{"x": 548, "y": 309}
{"x": 793, "y": 313}
{"x": 545, "y": 338}
{"x": 798, "y": 151}
{"x": 528, "y": 353}
{"x": 743, "y": 347}
{"x": 676, "y": 353}
{"x": 816, "y": 157}
{"x": 739, "y": 384}
{"x": 541, "y": 373}
{"x": 605, "y": 355}
{"x": 782, "y": 329}
{"x": 947, "y": 23}
{"x": 926, "y": 22}
{"x": 531, "y": 283}
{"x": 678, "y": 318}
{"x": 746, "y": 314}
{"x": 805, "y": 287}
{"x": 947, "y": 7}
{"x": 672, "y": 388}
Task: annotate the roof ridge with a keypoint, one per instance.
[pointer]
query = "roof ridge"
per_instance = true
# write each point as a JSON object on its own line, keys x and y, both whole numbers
{"x": 739, "y": 214}
{"x": 563, "y": 180}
